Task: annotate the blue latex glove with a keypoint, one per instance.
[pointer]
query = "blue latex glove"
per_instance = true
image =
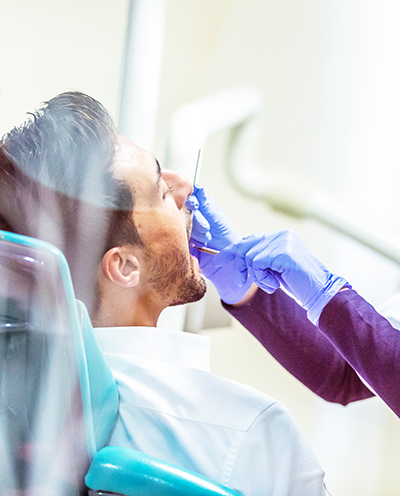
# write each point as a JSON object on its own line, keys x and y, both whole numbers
{"x": 213, "y": 228}
{"x": 220, "y": 270}
{"x": 211, "y": 225}
{"x": 282, "y": 258}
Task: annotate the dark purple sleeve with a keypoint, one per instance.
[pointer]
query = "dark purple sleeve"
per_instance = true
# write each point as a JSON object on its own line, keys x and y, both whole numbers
{"x": 370, "y": 344}
{"x": 282, "y": 327}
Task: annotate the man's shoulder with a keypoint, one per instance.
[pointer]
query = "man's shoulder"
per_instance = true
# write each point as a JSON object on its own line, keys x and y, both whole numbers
{"x": 189, "y": 393}
{"x": 239, "y": 404}
{"x": 160, "y": 382}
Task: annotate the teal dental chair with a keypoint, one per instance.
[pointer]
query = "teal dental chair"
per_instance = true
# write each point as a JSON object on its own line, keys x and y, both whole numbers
{"x": 58, "y": 399}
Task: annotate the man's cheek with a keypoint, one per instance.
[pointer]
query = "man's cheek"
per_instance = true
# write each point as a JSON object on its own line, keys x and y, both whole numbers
{"x": 158, "y": 229}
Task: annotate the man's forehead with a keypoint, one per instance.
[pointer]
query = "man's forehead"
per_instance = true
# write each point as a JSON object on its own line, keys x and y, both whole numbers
{"x": 130, "y": 155}
{"x": 138, "y": 168}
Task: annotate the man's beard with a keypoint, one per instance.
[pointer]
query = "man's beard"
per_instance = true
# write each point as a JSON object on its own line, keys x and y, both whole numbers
{"x": 193, "y": 289}
{"x": 172, "y": 275}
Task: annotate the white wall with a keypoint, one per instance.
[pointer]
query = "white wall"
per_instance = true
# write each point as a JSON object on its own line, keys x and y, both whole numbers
{"x": 52, "y": 46}
{"x": 329, "y": 76}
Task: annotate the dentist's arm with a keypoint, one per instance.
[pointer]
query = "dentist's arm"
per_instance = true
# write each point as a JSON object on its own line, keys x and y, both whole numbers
{"x": 268, "y": 260}
{"x": 282, "y": 327}
{"x": 281, "y": 324}
{"x": 281, "y": 258}
{"x": 276, "y": 320}
{"x": 351, "y": 335}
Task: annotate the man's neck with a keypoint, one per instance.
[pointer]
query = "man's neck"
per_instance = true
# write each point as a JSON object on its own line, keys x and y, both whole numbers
{"x": 119, "y": 313}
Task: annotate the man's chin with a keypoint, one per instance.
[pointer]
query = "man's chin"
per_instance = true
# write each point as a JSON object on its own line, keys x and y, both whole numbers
{"x": 176, "y": 276}
{"x": 193, "y": 290}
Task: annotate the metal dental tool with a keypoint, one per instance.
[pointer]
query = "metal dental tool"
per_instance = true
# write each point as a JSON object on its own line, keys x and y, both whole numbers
{"x": 198, "y": 166}
{"x": 197, "y": 170}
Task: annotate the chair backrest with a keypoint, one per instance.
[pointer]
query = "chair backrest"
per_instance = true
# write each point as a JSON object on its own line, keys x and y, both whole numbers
{"x": 58, "y": 399}
{"x": 47, "y": 439}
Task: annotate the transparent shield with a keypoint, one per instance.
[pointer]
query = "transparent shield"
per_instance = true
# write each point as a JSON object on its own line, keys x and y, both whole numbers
{"x": 43, "y": 442}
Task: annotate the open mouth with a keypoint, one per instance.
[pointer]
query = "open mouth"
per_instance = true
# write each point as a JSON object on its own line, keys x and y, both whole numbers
{"x": 189, "y": 225}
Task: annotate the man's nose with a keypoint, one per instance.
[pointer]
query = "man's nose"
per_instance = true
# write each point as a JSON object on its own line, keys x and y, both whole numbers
{"x": 181, "y": 187}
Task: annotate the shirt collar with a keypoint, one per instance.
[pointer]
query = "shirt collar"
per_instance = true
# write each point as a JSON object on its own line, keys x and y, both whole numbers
{"x": 154, "y": 343}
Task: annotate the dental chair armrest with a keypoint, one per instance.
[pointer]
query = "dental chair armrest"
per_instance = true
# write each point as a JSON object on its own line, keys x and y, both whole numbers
{"x": 131, "y": 473}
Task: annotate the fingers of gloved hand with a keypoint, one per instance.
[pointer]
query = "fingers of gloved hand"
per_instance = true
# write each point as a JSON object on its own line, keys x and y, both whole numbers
{"x": 266, "y": 279}
{"x": 226, "y": 255}
{"x": 192, "y": 202}
{"x": 242, "y": 261}
{"x": 199, "y": 199}
{"x": 250, "y": 255}
{"x": 208, "y": 205}
{"x": 200, "y": 239}
{"x": 222, "y": 229}
{"x": 200, "y": 223}
{"x": 236, "y": 252}
{"x": 219, "y": 265}
{"x": 258, "y": 261}
{"x": 200, "y": 193}
{"x": 200, "y": 234}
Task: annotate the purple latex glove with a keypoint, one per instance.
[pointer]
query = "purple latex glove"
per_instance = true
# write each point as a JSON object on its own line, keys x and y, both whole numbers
{"x": 282, "y": 258}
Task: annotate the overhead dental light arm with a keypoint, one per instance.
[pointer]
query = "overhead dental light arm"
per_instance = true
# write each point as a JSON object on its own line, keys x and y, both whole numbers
{"x": 192, "y": 124}
{"x": 294, "y": 196}
{"x": 236, "y": 109}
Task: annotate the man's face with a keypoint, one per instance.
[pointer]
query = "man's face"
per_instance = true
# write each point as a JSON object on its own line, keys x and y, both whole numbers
{"x": 163, "y": 223}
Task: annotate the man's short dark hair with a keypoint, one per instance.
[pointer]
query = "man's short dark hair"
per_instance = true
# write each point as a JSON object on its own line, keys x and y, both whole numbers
{"x": 57, "y": 184}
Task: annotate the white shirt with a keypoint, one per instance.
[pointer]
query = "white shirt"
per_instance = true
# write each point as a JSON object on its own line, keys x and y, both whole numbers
{"x": 174, "y": 408}
{"x": 391, "y": 310}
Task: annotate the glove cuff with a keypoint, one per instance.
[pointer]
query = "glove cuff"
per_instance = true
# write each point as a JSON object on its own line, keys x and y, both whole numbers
{"x": 235, "y": 295}
{"x": 334, "y": 285}
{"x": 228, "y": 291}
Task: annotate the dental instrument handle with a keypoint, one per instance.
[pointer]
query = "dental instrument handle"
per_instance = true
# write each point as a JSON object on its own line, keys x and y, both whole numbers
{"x": 210, "y": 251}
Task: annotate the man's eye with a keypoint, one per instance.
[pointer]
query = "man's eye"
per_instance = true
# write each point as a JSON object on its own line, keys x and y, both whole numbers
{"x": 168, "y": 192}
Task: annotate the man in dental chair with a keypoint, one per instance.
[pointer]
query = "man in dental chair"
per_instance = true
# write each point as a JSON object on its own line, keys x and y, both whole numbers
{"x": 66, "y": 177}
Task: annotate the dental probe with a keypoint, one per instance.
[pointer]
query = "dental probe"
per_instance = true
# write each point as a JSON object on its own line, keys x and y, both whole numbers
{"x": 198, "y": 166}
{"x": 197, "y": 170}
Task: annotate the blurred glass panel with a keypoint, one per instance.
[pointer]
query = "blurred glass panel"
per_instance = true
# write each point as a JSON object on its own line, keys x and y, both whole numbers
{"x": 43, "y": 445}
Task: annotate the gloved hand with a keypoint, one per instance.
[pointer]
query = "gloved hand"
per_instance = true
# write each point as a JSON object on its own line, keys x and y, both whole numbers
{"x": 211, "y": 225}
{"x": 282, "y": 258}
{"x": 213, "y": 228}
{"x": 220, "y": 270}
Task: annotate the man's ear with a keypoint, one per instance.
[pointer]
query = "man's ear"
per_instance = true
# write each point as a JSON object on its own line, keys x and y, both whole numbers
{"x": 121, "y": 267}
